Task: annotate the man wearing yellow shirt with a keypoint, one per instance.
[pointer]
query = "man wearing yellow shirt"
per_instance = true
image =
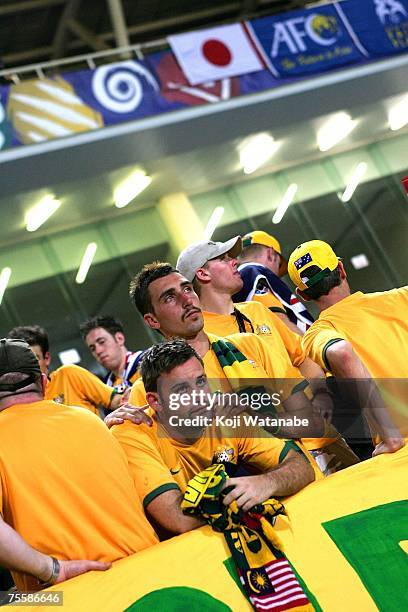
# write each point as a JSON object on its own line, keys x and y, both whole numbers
{"x": 105, "y": 337}
{"x": 65, "y": 489}
{"x": 357, "y": 336}
{"x": 212, "y": 267}
{"x": 186, "y": 436}
{"x": 69, "y": 384}
{"x": 169, "y": 304}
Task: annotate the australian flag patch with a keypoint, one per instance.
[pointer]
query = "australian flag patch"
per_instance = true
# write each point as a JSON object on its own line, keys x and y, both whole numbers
{"x": 302, "y": 261}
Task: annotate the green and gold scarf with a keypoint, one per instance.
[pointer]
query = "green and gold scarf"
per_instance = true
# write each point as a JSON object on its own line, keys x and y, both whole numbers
{"x": 265, "y": 573}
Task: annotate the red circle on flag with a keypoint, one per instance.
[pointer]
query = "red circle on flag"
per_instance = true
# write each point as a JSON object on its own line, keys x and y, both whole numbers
{"x": 216, "y": 52}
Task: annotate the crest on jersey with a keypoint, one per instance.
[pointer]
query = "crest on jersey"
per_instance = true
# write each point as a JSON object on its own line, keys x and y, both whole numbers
{"x": 223, "y": 455}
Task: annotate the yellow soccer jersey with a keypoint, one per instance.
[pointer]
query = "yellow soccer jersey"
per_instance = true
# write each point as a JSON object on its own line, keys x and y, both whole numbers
{"x": 262, "y": 322}
{"x": 66, "y": 488}
{"x": 267, "y": 366}
{"x": 376, "y": 324}
{"x": 159, "y": 463}
{"x": 75, "y": 386}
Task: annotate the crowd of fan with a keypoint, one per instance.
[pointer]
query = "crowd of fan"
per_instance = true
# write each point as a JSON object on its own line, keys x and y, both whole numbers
{"x": 78, "y": 492}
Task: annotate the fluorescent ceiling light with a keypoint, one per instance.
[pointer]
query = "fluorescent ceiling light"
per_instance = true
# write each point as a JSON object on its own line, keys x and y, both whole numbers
{"x": 130, "y": 188}
{"x": 41, "y": 212}
{"x": 213, "y": 222}
{"x": 285, "y": 203}
{"x": 358, "y": 174}
{"x": 256, "y": 152}
{"x": 86, "y": 262}
{"x": 398, "y": 115}
{"x": 360, "y": 261}
{"x": 4, "y": 280}
{"x": 69, "y": 356}
{"x": 334, "y": 130}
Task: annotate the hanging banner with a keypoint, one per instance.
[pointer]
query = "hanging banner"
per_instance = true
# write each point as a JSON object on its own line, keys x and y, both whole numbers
{"x": 292, "y": 45}
{"x": 305, "y": 42}
{"x": 345, "y": 538}
{"x": 381, "y": 25}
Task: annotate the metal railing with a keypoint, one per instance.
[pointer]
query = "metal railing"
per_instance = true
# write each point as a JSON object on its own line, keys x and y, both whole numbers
{"x": 89, "y": 60}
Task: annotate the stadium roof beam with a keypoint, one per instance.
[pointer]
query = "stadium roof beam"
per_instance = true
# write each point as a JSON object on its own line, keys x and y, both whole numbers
{"x": 62, "y": 33}
{"x": 29, "y": 5}
{"x": 118, "y": 23}
{"x": 89, "y": 38}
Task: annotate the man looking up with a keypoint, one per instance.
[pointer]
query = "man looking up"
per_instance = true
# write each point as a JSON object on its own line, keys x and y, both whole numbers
{"x": 357, "y": 336}
{"x": 65, "y": 489}
{"x": 183, "y": 440}
{"x": 69, "y": 384}
{"x": 261, "y": 269}
{"x": 104, "y": 336}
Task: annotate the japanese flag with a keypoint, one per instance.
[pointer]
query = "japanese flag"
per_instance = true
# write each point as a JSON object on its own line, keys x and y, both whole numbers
{"x": 215, "y": 54}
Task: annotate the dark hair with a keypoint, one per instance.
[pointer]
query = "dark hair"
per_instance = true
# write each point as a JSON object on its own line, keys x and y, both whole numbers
{"x": 163, "y": 358}
{"x": 331, "y": 280}
{"x": 139, "y": 286}
{"x": 107, "y": 322}
{"x": 252, "y": 250}
{"x": 32, "y": 334}
{"x": 11, "y": 378}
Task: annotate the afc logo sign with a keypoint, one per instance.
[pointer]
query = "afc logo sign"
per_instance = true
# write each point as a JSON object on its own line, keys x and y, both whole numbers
{"x": 295, "y": 33}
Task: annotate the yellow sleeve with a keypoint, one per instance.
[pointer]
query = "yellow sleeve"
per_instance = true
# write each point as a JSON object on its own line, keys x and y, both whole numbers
{"x": 1, "y": 499}
{"x": 137, "y": 395}
{"x": 318, "y": 338}
{"x": 292, "y": 341}
{"x": 150, "y": 474}
{"x": 270, "y": 300}
{"x": 266, "y": 452}
{"x": 75, "y": 386}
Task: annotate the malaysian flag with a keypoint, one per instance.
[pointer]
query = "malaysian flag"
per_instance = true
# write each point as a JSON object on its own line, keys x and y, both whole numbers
{"x": 275, "y": 587}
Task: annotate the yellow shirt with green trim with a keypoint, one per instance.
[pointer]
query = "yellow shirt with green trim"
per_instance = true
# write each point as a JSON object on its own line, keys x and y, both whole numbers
{"x": 273, "y": 369}
{"x": 159, "y": 463}
{"x": 376, "y": 324}
{"x": 75, "y": 386}
{"x": 285, "y": 343}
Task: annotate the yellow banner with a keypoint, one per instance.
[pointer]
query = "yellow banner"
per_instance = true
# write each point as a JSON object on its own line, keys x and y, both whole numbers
{"x": 346, "y": 537}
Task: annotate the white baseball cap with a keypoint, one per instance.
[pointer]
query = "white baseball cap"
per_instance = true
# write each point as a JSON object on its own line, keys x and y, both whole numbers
{"x": 196, "y": 255}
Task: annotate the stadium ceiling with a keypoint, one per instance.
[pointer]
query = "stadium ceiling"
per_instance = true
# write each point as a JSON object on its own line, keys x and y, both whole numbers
{"x": 34, "y": 31}
{"x": 194, "y": 151}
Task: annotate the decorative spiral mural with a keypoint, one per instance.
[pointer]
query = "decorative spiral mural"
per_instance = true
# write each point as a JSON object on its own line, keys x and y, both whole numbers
{"x": 118, "y": 87}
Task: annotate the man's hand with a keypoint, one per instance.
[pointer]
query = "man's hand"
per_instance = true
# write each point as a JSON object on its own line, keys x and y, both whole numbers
{"x": 127, "y": 412}
{"x": 248, "y": 490}
{"x": 70, "y": 569}
{"x": 389, "y": 446}
{"x": 294, "y": 473}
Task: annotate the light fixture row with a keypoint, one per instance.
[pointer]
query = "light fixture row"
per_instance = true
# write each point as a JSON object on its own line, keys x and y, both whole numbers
{"x": 125, "y": 193}
{"x": 256, "y": 151}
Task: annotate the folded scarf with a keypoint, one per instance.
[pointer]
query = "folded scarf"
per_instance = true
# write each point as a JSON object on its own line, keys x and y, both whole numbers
{"x": 266, "y": 575}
